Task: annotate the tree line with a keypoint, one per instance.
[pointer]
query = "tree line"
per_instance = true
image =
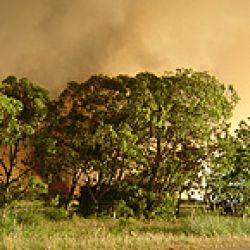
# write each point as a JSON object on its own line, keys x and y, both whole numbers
{"x": 133, "y": 144}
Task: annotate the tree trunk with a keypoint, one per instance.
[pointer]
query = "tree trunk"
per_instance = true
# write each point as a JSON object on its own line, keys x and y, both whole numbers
{"x": 74, "y": 183}
{"x": 178, "y": 204}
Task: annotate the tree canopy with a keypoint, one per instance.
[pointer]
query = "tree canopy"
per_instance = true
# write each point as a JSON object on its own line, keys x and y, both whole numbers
{"x": 149, "y": 134}
{"x": 132, "y": 144}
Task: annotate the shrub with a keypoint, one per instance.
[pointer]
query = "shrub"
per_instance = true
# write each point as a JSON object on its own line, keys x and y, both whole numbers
{"x": 166, "y": 209}
{"x": 122, "y": 210}
{"x": 57, "y": 213}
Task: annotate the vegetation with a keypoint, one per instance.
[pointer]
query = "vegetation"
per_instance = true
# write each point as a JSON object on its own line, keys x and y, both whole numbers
{"x": 130, "y": 146}
{"x": 138, "y": 141}
{"x": 30, "y": 225}
{"x": 228, "y": 182}
{"x": 23, "y": 108}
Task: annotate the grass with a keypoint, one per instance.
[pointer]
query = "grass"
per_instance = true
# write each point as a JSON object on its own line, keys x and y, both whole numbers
{"x": 25, "y": 226}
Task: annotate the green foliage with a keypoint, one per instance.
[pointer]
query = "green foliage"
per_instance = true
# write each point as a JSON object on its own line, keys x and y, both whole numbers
{"x": 229, "y": 179}
{"x": 10, "y": 109}
{"x": 136, "y": 141}
{"x": 166, "y": 209}
{"x": 33, "y": 101}
{"x": 173, "y": 117}
{"x": 121, "y": 209}
{"x": 150, "y": 132}
{"x": 36, "y": 188}
{"x": 23, "y": 108}
{"x": 57, "y": 214}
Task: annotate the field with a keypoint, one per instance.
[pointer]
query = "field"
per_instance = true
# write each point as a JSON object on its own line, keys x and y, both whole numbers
{"x": 31, "y": 226}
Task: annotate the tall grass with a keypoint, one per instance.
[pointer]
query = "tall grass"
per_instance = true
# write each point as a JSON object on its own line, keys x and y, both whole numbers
{"x": 209, "y": 225}
{"x": 36, "y": 227}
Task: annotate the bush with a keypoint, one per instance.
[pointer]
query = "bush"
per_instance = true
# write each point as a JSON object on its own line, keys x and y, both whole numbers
{"x": 122, "y": 210}
{"x": 166, "y": 209}
{"x": 57, "y": 214}
{"x": 36, "y": 188}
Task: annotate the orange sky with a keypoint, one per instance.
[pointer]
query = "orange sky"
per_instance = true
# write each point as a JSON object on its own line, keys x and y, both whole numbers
{"x": 52, "y": 41}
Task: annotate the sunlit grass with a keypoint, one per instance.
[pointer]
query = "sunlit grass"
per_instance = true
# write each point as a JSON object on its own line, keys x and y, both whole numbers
{"x": 32, "y": 228}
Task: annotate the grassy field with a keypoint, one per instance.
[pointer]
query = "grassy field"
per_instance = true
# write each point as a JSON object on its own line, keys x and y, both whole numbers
{"x": 35, "y": 227}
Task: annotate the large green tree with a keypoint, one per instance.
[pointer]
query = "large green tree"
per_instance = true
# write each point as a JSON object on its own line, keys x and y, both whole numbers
{"x": 148, "y": 134}
{"x": 174, "y": 117}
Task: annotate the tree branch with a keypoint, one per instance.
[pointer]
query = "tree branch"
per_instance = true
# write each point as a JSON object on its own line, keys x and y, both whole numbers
{"x": 20, "y": 176}
{"x": 4, "y": 166}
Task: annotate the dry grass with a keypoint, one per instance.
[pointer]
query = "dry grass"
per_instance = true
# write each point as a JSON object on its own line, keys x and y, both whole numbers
{"x": 94, "y": 234}
{"x": 38, "y": 232}
{"x": 101, "y": 239}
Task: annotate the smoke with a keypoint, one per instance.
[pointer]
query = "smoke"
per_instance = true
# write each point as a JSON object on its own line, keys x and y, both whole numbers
{"x": 52, "y": 41}
{"x": 57, "y": 41}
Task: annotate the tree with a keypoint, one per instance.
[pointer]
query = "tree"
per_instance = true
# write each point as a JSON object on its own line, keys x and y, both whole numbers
{"x": 228, "y": 182}
{"x": 142, "y": 136}
{"x": 221, "y": 166}
{"x": 23, "y": 109}
{"x": 174, "y": 117}
{"x": 242, "y": 162}
{"x": 92, "y": 139}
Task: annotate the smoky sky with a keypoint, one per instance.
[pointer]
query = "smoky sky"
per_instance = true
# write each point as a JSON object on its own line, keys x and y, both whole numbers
{"x": 55, "y": 41}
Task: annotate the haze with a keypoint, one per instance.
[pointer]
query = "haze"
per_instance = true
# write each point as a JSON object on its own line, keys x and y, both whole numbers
{"x": 52, "y": 42}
